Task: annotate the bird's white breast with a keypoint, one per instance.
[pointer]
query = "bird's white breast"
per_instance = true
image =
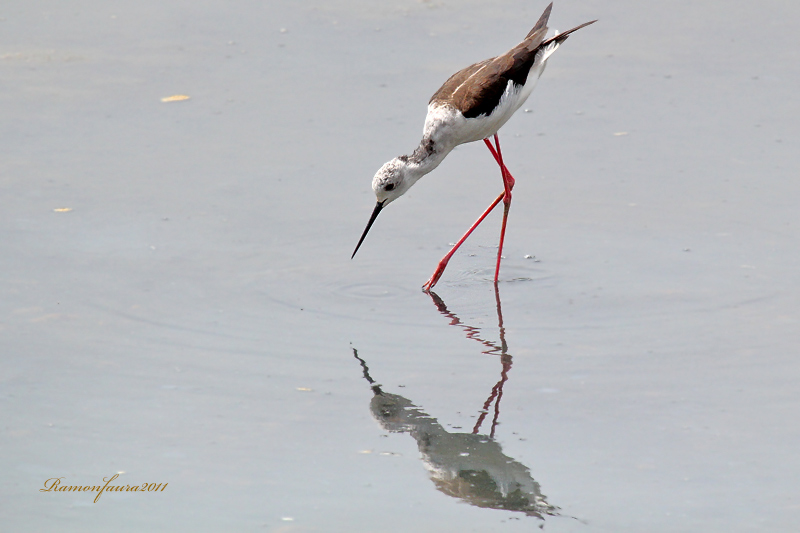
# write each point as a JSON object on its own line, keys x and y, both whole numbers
{"x": 449, "y": 128}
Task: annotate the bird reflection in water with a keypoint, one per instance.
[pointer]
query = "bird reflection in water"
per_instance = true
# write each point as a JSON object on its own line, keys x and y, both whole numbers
{"x": 468, "y": 466}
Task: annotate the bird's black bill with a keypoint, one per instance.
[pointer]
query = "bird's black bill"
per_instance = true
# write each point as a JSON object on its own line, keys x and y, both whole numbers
{"x": 377, "y": 210}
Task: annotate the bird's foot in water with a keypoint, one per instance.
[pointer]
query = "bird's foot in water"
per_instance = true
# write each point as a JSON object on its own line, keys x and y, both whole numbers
{"x": 436, "y": 275}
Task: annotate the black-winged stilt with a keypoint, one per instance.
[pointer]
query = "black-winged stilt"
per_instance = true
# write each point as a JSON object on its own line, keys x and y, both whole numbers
{"x": 472, "y": 105}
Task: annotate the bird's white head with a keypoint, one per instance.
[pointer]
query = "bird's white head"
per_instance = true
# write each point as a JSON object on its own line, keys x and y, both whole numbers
{"x": 392, "y": 180}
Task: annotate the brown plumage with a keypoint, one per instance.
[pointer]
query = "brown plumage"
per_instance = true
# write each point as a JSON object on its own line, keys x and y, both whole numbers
{"x": 489, "y": 78}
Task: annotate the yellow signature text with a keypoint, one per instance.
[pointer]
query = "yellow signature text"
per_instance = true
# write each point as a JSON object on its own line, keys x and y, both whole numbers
{"x": 54, "y": 484}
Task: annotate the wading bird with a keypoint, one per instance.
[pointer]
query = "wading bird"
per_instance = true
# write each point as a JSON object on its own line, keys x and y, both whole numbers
{"x": 472, "y": 105}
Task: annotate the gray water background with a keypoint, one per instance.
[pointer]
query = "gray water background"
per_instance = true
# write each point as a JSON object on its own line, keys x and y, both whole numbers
{"x": 191, "y": 319}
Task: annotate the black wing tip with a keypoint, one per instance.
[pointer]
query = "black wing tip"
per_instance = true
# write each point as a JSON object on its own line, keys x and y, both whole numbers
{"x": 542, "y": 22}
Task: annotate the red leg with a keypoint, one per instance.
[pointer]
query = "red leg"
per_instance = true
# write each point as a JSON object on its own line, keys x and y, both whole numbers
{"x": 505, "y": 197}
{"x": 508, "y": 179}
{"x": 443, "y": 263}
{"x": 508, "y": 183}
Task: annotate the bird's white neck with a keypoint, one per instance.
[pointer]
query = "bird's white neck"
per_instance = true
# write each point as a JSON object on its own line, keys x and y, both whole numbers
{"x": 425, "y": 158}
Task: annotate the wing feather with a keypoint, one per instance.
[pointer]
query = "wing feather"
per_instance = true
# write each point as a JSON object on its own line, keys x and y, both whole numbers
{"x": 477, "y": 89}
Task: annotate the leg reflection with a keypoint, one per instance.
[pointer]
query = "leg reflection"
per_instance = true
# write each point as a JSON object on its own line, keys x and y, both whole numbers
{"x": 500, "y": 349}
{"x": 468, "y": 466}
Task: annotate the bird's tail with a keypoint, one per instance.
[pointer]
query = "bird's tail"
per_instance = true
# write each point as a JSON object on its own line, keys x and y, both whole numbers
{"x": 550, "y": 45}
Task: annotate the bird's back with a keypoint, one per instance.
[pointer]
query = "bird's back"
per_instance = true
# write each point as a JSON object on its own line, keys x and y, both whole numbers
{"x": 492, "y": 90}
{"x": 477, "y": 89}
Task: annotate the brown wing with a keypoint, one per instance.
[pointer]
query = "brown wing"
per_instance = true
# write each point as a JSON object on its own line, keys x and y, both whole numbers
{"x": 477, "y": 89}
{"x": 542, "y": 22}
{"x": 448, "y": 90}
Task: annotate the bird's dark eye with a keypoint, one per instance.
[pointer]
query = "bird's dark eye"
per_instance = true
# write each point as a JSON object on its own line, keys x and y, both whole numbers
{"x": 389, "y": 187}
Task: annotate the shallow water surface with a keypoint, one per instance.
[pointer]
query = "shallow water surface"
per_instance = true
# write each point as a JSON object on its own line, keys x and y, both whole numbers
{"x": 179, "y": 304}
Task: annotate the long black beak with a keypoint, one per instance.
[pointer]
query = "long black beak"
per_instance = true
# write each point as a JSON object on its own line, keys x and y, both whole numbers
{"x": 377, "y": 210}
